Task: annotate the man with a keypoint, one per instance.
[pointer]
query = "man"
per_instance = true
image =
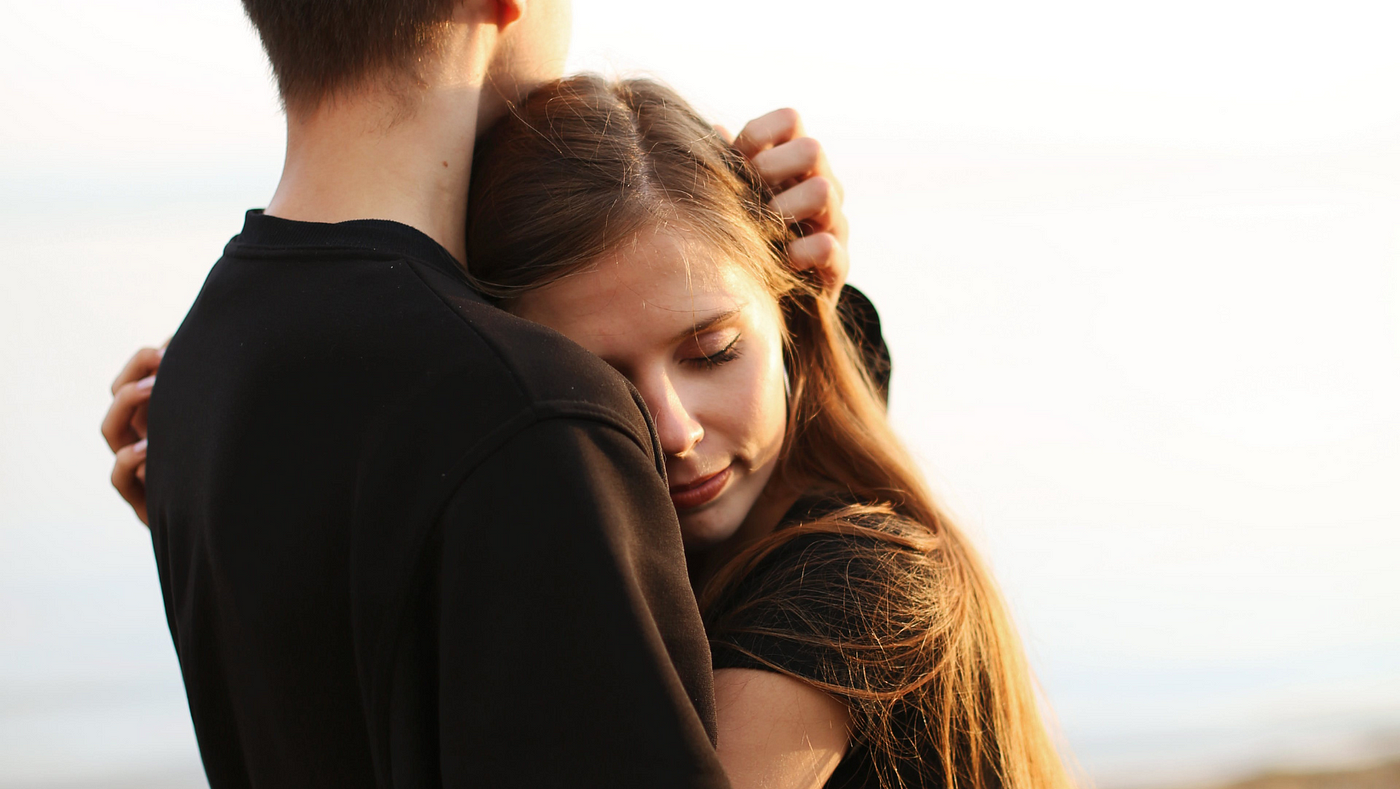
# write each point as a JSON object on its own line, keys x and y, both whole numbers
{"x": 405, "y": 539}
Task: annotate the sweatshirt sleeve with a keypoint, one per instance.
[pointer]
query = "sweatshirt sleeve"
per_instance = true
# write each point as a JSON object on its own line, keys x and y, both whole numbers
{"x": 568, "y": 628}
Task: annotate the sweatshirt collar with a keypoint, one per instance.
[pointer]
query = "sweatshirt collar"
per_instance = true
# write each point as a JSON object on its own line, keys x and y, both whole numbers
{"x": 379, "y": 235}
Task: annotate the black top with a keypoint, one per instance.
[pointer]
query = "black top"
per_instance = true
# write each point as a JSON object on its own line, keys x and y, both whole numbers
{"x": 407, "y": 539}
{"x": 814, "y": 590}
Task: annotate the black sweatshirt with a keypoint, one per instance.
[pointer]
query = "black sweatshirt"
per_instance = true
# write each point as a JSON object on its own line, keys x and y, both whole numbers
{"x": 407, "y": 539}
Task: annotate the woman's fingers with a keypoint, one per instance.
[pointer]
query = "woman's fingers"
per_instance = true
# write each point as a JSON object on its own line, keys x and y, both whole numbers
{"x": 815, "y": 203}
{"x": 124, "y": 426}
{"x": 808, "y": 195}
{"x": 823, "y": 254}
{"x": 129, "y": 475}
{"x": 143, "y": 364}
{"x": 775, "y": 128}
{"x": 792, "y": 161}
{"x": 127, "y": 414}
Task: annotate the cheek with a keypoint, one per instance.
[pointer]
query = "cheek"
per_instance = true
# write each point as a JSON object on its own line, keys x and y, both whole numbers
{"x": 750, "y": 409}
{"x": 775, "y": 404}
{"x": 773, "y": 388}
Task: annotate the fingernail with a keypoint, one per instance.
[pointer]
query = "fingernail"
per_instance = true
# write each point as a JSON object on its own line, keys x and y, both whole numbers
{"x": 139, "y": 446}
{"x": 160, "y": 352}
{"x": 146, "y": 383}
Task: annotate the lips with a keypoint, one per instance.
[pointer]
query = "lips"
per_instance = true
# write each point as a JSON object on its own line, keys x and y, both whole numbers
{"x": 702, "y": 491}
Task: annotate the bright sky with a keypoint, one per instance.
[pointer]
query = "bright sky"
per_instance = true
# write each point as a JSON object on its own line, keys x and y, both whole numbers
{"x": 1138, "y": 264}
{"x": 151, "y": 82}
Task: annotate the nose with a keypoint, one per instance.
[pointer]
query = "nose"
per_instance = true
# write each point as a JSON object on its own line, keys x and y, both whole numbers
{"x": 678, "y": 431}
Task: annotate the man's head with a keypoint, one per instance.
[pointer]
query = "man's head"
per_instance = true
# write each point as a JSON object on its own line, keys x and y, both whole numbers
{"x": 325, "y": 48}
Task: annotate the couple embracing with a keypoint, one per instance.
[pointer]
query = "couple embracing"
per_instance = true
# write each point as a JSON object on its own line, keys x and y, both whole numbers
{"x": 530, "y": 438}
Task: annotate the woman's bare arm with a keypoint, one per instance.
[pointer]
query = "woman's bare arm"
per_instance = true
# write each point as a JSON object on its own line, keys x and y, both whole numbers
{"x": 776, "y": 732}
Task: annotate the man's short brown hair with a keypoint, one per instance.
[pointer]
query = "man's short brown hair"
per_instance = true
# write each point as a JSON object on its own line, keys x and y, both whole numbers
{"x": 318, "y": 47}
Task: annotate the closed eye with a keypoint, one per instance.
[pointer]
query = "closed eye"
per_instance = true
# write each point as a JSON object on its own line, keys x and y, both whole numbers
{"x": 710, "y": 361}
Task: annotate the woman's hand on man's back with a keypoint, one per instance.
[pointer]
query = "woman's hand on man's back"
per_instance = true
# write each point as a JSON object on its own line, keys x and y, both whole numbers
{"x": 124, "y": 426}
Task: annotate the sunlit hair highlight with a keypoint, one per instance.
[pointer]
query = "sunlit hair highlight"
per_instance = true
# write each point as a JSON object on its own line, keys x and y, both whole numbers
{"x": 582, "y": 167}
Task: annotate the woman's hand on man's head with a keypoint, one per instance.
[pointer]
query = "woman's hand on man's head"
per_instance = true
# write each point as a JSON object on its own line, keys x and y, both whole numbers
{"x": 124, "y": 426}
{"x": 807, "y": 193}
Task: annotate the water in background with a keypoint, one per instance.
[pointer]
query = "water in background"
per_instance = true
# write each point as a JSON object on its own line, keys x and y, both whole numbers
{"x": 1162, "y": 389}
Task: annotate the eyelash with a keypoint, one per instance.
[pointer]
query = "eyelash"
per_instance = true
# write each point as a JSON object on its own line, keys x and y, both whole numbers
{"x": 728, "y": 353}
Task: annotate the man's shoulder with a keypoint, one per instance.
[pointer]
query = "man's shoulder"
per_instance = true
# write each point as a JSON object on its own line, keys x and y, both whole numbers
{"x": 399, "y": 331}
{"x": 551, "y": 373}
{"x": 407, "y": 311}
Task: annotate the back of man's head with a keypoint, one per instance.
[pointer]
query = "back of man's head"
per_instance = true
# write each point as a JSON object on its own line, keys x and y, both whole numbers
{"x": 320, "y": 47}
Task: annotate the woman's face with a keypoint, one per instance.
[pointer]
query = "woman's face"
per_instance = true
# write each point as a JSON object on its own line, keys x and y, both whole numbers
{"x": 701, "y": 339}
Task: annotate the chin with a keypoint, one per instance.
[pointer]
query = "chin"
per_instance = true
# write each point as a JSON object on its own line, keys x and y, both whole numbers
{"x": 719, "y": 522}
{"x": 710, "y": 526}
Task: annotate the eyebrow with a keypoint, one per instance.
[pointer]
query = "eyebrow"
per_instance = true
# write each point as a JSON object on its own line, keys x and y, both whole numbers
{"x": 713, "y": 320}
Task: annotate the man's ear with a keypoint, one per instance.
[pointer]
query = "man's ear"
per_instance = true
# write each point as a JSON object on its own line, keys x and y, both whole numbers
{"x": 501, "y": 13}
{"x": 508, "y": 12}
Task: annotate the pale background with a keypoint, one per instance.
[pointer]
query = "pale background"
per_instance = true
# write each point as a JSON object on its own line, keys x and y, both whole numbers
{"x": 1138, "y": 265}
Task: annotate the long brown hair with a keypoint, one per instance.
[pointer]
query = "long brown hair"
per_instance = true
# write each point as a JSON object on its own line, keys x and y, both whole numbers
{"x": 938, "y": 687}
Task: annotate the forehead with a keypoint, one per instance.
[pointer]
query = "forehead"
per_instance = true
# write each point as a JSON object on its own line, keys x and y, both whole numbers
{"x": 646, "y": 291}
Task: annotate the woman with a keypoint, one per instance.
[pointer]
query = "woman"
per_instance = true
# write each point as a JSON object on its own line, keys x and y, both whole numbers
{"x": 832, "y": 583}
{"x": 857, "y": 640}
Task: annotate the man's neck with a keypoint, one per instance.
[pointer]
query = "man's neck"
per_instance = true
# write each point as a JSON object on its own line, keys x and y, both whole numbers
{"x": 364, "y": 157}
